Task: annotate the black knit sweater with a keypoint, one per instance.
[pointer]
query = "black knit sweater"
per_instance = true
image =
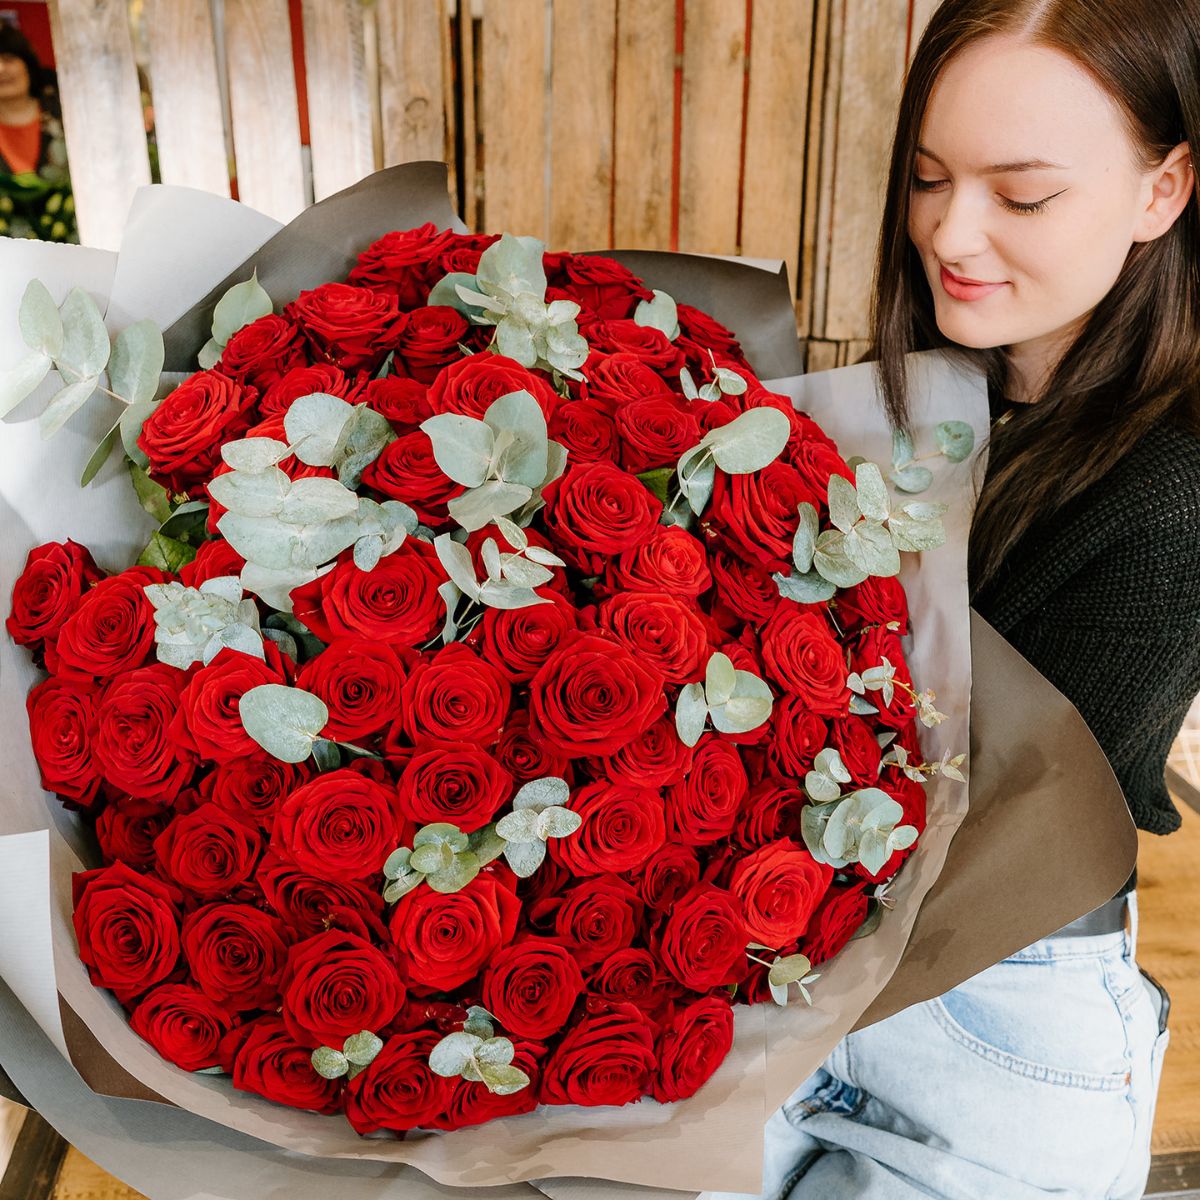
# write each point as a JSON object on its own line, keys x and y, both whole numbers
{"x": 1104, "y": 600}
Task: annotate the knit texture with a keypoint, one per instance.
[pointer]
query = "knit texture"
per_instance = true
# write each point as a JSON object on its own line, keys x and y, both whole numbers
{"x": 1103, "y": 598}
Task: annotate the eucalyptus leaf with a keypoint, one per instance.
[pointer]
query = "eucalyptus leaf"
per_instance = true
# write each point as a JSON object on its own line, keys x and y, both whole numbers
{"x": 902, "y": 448}
{"x": 843, "y": 503}
{"x": 284, "y": 721}
{"x": 137, "y": 362}
{"x": 253, "y": 454}
{"x": 362, "y": 1048}
{"x": 453, "y": 878}
{"x": 462, "y": 446}
{"x": 730, "y": 382}
{"x": 241, "y": 305}
{"x": 41, "y": 324}
{"x": 85, "y": 347}
{"x": 445, "y": 293}
{"x": 521, "y": 452}
{"x": 538, "y": 794}
{"x": 457, "y": 563}
{"x": 912, "y": 479}
{"x": 65, "y": 404}
{"x": 474, "y": 509}
{"x": 872, "y": 492}
{"x": 556, "y": 822}
{"x": 317, "y": 500}
{"x": 453, "y": 1052}
{"x": 503, "y": 1080}
{"x": 912, "y": 534}
{"x": 519, "y": 826}
{"x": 130, "y": 424}
{"x": 525, "y": 857}
{"x": 748, "y": 707}
{"x": 751, "y": 441}
{"x": 495, "y": 1052}
{"x": 869, "y": 547}
{"x": 209, "y": 355}
{"x": 804, "y": 543}
{"x": 809, "y": 588}
{"x": 691, "y": 713}
{"x": 486, "y": 844}
{"x": 100, "y": 455}
{"x": 441, "y": 833}
{"x": 513, "y": 534}
{"x": 22, "y": 380}
{"x": 524, "y": 573}
{"x": 720, "y": 678}
{"x": 315, "y": 426}
{"x": 955, "y": 440}
{"x": 367, "y": 552}
{"x": 326, "y": 755}
{"x": 260, "y": 494}
{"x": 431, "y": 857}
{"x": 659, "y": 313}
{"x": 832, "y": 563}
{"x": 329, "y": 1063}
{"x": 400, "y": 887}
{"x": 791, "y": 969}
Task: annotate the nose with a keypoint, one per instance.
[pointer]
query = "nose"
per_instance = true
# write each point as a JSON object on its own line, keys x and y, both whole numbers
{"x": 959, "y": 234}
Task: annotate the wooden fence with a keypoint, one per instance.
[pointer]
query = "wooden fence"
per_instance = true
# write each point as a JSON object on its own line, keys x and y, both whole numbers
{"x": 756, "y": 127}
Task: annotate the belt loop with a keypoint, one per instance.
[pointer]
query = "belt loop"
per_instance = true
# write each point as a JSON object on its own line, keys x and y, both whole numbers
{"x": 1132, "y": 931}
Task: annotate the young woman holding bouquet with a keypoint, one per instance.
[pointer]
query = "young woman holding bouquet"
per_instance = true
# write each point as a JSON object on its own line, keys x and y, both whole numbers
{"x": 1042, "y": 219}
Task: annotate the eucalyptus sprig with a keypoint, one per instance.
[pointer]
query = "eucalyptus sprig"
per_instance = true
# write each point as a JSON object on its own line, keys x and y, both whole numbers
{"x": 661, "y": 313}
{"x": 724, "y": 382}
{"x": 859, "y": 827}
{"x": 441, "y": 856}
{"x": 918, "y": 772}
{"x": 782, "y": 972}
{"x": 955, "y": 441}
{"x": 735, "y": 701}
{"x": 357, "y": 1053}
{"x": 883, "y": 679}
{"x": 475, "y": 1053}
{"x": 539, "y": 813}
{"x": 193, "y": 625}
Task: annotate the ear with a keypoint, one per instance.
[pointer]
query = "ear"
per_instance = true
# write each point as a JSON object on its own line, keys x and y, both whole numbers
{"x": 1166, "y": 192}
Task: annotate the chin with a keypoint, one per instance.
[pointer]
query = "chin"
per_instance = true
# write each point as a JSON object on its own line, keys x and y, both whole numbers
{"x": 969, "y": 333}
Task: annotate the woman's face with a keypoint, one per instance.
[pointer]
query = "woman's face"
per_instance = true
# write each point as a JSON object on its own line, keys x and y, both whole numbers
{"x": 1027, "y": 182}
{"x": 14, "y": 77}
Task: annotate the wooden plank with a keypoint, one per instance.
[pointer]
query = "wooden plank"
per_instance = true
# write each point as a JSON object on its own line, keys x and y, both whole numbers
{"x": 188, "y": 122}
{"x": 450, "y": 86}
{"x": 410, "y": 80}
{"x": 821, "y": 356}
{"x": 339, "y": 102}
{"x": 102, "y": 113}
{"x": 922, "y": 10}
{"x": 582, "y": 70}
{"x": 776, "y": 122}
{"x": 645, "y": 124}
{"x": 262, "y": 99}
{"x": 872, "y": 77}
{"x": 827, "y": 165}
{"x": 714, "y": 66}
{"x": 810, "y": 226}
{"x": 36, "y": 1158}
{"x": 468, "y": 31}
{"x": 513, "y": 116}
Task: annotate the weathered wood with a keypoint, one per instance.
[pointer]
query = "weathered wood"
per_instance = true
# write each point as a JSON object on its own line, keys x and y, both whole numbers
{"x": 468, "y": 83}
{"x": 776, "y": 125}
{"x": 449, "y": 104}
{"x": 872, "y": 77}
{"x": 262, "y": 98}
{"x": 823, "y": 232}
{"x": 714, "y": 66}
{"x": 643, "y": 153}
{"x": 188, "y": 123}
{"x": 102, "y": 113}
{"x": 581, "y": 123}
{"x": 410, "y": 80}
{"x": 339, "y": 101}
{"x": 821, "y": 356}
{"x": 810, "y": 227}
{"x": 514, "y": 116}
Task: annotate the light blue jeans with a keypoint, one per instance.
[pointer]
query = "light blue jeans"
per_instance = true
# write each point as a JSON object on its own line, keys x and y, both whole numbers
{"x": 1034, "y": 1078}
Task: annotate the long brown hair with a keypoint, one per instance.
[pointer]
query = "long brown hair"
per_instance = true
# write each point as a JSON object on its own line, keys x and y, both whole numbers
{"x": 1136, "y": 363}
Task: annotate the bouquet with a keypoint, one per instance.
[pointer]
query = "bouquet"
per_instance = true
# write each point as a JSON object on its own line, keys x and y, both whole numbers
{"x": 513, "y": 686}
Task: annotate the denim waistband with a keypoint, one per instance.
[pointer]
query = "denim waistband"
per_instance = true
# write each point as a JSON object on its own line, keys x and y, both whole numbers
{"x": 1109, "y": 917}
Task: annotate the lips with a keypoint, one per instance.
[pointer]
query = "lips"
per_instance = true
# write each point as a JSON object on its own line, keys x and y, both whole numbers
{"x": 958, "y": 288}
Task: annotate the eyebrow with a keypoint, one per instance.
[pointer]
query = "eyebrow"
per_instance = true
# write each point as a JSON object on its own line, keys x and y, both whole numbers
{"x": 1030, "y": 164}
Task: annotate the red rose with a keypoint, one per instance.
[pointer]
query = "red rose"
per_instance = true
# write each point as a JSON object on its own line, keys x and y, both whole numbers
{"x": 472, "y": 1104}
{"x": 127, "y": 927}
{"x": 661, "y": 630}
{"x": 797, "y": 736}
{"x": 802, "y": 656}
{"x": 48, "y": 591}
{"x": 531, "y": 986}
{"x": 592, "y": 695}
{"x": 703, "y": 943}
{"x": 840, "y": 913}
{"x": 335, "y": 985}
{"x": 429, "y": 342}
{"x": 604, "y": 1059}
{"x": 112, "y": 629}
{"x": 236, "y": 954}
{"x": 61, "y": 714}
{"x": 126, "y": 830}
{"x": 587, "y": 430}
{"x": 622, "y": 826}
{"x": 445, "y": 940}
{"x": 340, "y": 825}
{"x": 398, "y": 1090}
{"x": 869, "y": 650}
{"x": 708, "y": 333}
{"x": 755, "y": 514}
{"x": 631, "y": 976}
{"x": 183, "y": 1025}
{"x": 773, "y": 811}
{"x": 306, "y": 381}
{"x": 815, "y": 461}
{"x": 655, "y": 431}
{"x": 270, "y": 1063}
{"x": 263, "y": 351}
{"x": 453, "y": 782}
{"x": 691, "y": 1048}
{"x": 208, "y": 851}
{"x": 668, "y": 875}
{"x": 308, "y": 904}
{"x": 779, "y": 885}
{"x": 747, "y": 591}
{"x": 407, "y": 471}
{"x": 359, "y": 680}
{"x": 396, "y": 601}
{"x": 878, "y": 600}
{"x": 214, "y": 558}
{"x": 703, "y": 808}
{"x": 854, "y": 740}
{"x": 625, "y": 335}
{"x": 350, "y": 327}
{"x": 210, "y": 720}
{"x": 184, "y": 434}
{"x": 517, "y": 641}
{"x": 602, "y": 285}
{"x": 253, "y": 788}
{"x": 671, "y": 560}
{"x": 470, "y": 385}
{"x": 595, "y": 510}
{"x": 405, "y": 402}
{"x": 132, "y": 738}
{"x": 525, "y": 755}
{"x": 405, "y": 262}
{"x": 655, "y": 758}
{"x": 598, "y": 917}
{"x": 616, "y": 379}
{"x": 455, "y": 696}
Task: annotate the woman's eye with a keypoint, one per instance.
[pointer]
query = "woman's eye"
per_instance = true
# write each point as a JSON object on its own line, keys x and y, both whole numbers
{"x": 1015, "y": 206}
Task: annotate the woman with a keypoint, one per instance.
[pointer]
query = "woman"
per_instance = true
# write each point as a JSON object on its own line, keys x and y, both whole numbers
{"x": 1042, "y": 222}
{"x": 35, "y": 189}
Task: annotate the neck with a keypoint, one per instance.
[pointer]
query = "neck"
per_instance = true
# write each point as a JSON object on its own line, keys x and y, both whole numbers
{"x": 1031, "y": 363}
{"x": 17, "y": 110}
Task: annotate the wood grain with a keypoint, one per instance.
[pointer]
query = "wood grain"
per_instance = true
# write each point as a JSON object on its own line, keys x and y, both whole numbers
{"x": 262, "y": 98}
{"x": 102, "y": 113}
{"x": 410, "y": 80}
{"x": 645, "y": 124}
{"x": 810, "y": 239}
{"x": 513, "y": 116}
{"x": 339, "y": 98}
{"x": 827, "y": 165}
{"x": 188, "y": 122}
{"x": 776, "y": 126}
{"x": 714, "y": 67}
{"x": 468, "y": 90}
{"x": 582, "y": 70}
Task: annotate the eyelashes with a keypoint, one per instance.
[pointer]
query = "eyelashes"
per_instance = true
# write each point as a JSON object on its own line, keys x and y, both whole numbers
{"x": 1015, "y": 206}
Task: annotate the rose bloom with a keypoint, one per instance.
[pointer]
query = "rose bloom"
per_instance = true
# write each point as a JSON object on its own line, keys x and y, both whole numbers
{"x": 265, "y": 1059}
{"x": 802, "y": 656}
{"x": 208, "y": 851}
{"x": 236, "y": 954}
{"x": 469, "y": 386}
{"x": 839, "y": 914}
{"x": 398, "y": 1090}
{"x": 605, "y": 1059}
{"x": 307, "y": 904}
{"x": 691, "y": 1048}
{"x": 622, "y": 826}
{"x": 780, "y": 886}
{"x": 531, "y": 987}
{"x": 454, "y": 782}
{"x": 350, "y": 327}
{"x": 305, "y": 381}
{"x": 61, "y": 714}
{"x": 48, "y": 591}
{"x": 597, "y": 917}
{"x": 703, "y": 943}
{"x": 263, "y": 351}
{"x": 454, "y": 695}
{"x": 111, "y": 629}
{"x": 660, "y": 629}
{"x": 359, "y": 681}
